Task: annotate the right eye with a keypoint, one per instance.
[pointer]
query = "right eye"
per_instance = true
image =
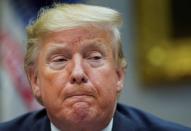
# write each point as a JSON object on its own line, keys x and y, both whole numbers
{"x": 58, "y": 62}
{"x": 59, "y": 59}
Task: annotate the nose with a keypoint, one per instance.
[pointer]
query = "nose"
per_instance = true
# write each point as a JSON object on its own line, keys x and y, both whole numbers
{"x": 78, "y": 75}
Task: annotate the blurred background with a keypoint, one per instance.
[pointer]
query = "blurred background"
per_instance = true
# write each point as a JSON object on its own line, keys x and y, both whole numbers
{"x": 156, "y": 39}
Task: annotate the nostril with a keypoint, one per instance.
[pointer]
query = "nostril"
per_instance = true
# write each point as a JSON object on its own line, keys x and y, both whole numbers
{"x": 84, "y": 80}
{"x": 79, "y": 80}
{"x": 73, "y": 80}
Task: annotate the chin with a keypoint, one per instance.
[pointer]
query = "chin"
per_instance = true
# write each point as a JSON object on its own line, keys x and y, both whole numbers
{"x": 82, "y": 112}
{"x": 81, "y": 115}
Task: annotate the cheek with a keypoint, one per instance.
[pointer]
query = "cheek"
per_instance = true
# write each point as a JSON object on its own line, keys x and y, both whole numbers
{"x": 105, "y": 81}
{"x": 52, "y": 84}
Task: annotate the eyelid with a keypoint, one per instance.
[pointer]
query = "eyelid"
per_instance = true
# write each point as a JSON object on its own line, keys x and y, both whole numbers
{"x": 58, "y": 57}
{"x": 57, "y": 62}
{"x": 93, "y": 53}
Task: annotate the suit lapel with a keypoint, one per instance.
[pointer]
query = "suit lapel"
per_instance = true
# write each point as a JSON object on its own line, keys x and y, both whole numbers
{"x": 123, "y": 123}
{"x": 42, "y": 124}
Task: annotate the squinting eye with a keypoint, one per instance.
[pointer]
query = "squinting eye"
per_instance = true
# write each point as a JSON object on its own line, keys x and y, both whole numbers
{"x": 59, "y": 59}
{"x": 95, "y": 59}
{"x": 95, "y": 56}
{"x": 58, "y": 62}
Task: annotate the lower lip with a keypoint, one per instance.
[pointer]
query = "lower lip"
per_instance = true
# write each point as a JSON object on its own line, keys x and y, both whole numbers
{"x": 79, "y": 98}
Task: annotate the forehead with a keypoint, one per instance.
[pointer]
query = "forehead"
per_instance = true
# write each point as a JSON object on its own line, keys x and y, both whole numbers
{"x": 79, "y": 36}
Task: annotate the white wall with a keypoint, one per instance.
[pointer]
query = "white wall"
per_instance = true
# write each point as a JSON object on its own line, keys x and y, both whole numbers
{"x": 171, "y": 103}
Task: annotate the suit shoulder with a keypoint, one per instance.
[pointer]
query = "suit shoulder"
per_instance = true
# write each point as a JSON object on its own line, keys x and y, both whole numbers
{"x": 25, "y": 122}
{"x": 147, "y": 121}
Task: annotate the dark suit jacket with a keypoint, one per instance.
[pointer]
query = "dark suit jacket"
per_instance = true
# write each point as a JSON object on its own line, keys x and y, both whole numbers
{"x": 125, "y": 119}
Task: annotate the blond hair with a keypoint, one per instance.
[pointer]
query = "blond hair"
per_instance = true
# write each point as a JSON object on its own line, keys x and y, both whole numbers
{"x": 68, "y": 16}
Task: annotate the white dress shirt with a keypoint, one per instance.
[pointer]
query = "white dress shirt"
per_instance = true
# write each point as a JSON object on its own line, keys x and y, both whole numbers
{"x": 108, "y": 128}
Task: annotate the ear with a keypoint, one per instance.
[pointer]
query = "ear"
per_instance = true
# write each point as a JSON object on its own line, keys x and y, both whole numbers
{"x": 34, "y": 82}
{"x": 121, "y": 76}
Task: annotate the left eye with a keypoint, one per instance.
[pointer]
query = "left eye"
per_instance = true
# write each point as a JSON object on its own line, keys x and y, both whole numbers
{"x": 95, "y": 56}
{"x": 95, "y": 59}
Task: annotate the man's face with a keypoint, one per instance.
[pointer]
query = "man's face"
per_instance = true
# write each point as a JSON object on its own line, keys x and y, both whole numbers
{"x": 77, "y": 77}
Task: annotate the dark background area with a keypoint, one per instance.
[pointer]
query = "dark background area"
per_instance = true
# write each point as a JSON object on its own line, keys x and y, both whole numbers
{"x": 181, "y": 18}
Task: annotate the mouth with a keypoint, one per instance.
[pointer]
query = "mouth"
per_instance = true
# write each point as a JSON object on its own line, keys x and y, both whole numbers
{"x": 79, "y": 96}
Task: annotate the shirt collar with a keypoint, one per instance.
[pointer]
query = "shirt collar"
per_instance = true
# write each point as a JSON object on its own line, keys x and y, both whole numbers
{"x": 108, "y": 128}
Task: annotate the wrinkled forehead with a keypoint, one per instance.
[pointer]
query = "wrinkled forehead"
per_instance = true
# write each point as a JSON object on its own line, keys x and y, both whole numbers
{"x": 78, "y": 35}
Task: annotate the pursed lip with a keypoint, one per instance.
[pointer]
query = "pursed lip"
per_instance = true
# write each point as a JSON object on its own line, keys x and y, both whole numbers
{"x": 79, "y": 95}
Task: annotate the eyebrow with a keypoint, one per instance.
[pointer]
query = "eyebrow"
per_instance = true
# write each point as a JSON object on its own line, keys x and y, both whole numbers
{"x": 97, "y": 45}
{"x": 56, "y": 47}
